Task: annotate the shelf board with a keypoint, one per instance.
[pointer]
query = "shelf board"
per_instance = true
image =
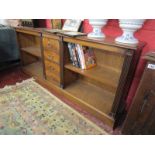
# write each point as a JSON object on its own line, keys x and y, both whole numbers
{"x": 91, "y": 95}
{"x": 34, "y": 69}
{"x": 33, "y": 50}
{"x": 107, "y": 77}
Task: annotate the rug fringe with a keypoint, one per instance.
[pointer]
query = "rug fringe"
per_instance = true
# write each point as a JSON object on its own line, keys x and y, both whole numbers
{"x": 7, "y": 87}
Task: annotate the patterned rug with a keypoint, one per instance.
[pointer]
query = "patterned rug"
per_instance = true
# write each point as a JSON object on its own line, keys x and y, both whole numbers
{"x": 28, "y": 108}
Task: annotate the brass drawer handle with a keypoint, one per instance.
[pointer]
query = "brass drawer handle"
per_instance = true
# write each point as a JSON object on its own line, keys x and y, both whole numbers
{"x": 48, "y": 44}
{"x": 52, "y": 69}
{"x": 50, "y": 57}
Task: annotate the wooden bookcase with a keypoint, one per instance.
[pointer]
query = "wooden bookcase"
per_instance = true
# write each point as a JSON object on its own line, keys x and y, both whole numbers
{"x": 101, "y": 90}
{"x": 30, "y": 45}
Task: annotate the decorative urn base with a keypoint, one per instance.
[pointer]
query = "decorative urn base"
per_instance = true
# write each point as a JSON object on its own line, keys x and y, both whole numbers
{"x": 129, "y": 26}
{"x": 97, "y": 25}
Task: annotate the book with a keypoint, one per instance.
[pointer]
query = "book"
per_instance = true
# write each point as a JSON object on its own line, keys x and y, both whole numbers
{"x": 70, "y": 53}
{"x": 75, "y": 58}
{"x": 64, "y": 32}
{"x": 81, "y": 56}
{"x": 89, "y": 57}
{"x": 53, "y": 30}
{"x": 78, "y": 56}
{"x": 72, "y": 34}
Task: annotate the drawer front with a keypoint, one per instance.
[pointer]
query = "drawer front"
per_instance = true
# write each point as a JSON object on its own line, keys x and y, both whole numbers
{"x": 52, "y": 67}
{"x": 51, "y": 44}
{"x": 52, "y": 71}
{"x": 53, "y": 79}
{"x": 52, "y": 56}
{"x": 52, "y": 76}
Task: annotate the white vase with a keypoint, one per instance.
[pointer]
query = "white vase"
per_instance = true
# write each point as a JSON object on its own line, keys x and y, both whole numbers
{"x": 97, "y": 25}
{"x": 129, "y": 27}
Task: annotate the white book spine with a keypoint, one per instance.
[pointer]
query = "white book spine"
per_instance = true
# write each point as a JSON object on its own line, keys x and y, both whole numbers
{"x": 82, "y": 57}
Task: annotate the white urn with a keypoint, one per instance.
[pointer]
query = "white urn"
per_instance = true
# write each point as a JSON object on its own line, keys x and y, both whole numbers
{"x": 129, "y": 27}
{"x": 97, "y": 25}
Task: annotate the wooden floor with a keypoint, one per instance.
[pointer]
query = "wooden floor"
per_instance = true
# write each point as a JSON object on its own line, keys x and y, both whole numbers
{"x": 11, "y": 76}
{"x": 35, "y": 68}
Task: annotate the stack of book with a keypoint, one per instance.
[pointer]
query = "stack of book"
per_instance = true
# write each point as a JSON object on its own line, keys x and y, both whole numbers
{"x": 65, "y": 32}
{"x": 81, "y": 56}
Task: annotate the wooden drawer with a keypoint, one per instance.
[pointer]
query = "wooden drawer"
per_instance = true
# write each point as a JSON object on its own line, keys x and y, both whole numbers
{"x": 51, "y": 44}
{"x": 52, "y": 67}
{"x": 52, "y": 56}
{"x": 53, "y": 79}
{"x": 52, "y": 71}
{"x": 52, "y": 76}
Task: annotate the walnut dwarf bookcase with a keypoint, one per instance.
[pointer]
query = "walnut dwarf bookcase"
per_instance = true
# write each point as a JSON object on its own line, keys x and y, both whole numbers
{"x": 100, "y": 90}
{"x": 29, "y": 41}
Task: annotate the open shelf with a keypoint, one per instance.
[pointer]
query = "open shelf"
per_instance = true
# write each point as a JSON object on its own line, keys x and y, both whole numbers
{"x": 35, "y": 69}
{"x": 91, "y": 95}
{"x": 33, "y": 50}
{"x": 108, "y": 78}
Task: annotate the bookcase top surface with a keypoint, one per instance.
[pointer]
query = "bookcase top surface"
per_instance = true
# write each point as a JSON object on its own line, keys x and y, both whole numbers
{"x": 110, "y": 41}
{"x": 106, "y": 41}
{"x": 28, "y": 29}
